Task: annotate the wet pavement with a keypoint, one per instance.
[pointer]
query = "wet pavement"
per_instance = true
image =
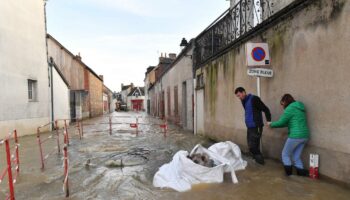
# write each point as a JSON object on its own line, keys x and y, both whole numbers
{"x": 122, "y": 166}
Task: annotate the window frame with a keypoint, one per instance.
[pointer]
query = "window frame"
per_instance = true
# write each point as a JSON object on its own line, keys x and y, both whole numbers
{"x": 32, "y": 90}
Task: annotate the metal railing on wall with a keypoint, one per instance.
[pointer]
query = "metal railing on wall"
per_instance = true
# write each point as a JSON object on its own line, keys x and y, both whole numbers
{"x": 232, "y": 25}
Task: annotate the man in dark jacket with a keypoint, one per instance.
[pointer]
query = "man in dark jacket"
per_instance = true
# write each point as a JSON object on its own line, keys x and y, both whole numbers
{"x": 253, "y": 107}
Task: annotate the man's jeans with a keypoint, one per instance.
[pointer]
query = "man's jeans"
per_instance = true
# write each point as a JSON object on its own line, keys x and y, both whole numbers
{"x": 293, "y": 149}
{"x": 253, "y": 138}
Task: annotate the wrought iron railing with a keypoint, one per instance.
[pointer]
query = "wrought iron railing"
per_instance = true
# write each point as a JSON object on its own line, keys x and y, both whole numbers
{"x": 233, "y": 24}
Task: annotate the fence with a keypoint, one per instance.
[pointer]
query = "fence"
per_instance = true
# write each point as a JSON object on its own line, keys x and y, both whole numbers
{"x": 134, "y": 124}
{"x": 59, "y": 131}
{"x": 10, "y": 158}
{"x": 65, "y": 144}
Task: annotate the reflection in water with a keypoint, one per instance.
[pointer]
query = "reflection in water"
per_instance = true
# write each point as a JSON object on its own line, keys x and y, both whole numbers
{"x": 121, "y": 166}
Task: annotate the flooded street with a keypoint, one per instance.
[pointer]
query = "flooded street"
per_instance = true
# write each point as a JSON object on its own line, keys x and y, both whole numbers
{"x": 122, "y": 166}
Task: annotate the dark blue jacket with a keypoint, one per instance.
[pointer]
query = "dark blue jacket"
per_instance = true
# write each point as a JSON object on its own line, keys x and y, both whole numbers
{"x": 253, "y": 107}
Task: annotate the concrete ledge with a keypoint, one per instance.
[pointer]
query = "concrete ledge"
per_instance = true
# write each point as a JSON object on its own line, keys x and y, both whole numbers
{"x": 23, "y": 126}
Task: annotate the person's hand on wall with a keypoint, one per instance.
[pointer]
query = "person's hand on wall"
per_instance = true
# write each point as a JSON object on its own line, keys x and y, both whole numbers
{"x": 268, "y": 124}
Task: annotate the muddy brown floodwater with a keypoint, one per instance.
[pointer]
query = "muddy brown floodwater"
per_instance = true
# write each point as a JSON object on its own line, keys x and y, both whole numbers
{"x": 122, "y": 166}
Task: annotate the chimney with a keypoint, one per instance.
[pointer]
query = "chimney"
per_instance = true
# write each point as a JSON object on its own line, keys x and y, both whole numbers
{"x": 101, "y": 77}
{"x": 172, "y": 56}
{"x": 183, "y": 43}
{"x": 122, "y": 87}
{"x": 132, "y": 85}
{"x": 78, "y": 57}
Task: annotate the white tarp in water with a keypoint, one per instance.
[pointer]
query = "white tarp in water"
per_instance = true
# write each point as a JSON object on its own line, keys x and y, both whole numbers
{"x": 182, "y": 172}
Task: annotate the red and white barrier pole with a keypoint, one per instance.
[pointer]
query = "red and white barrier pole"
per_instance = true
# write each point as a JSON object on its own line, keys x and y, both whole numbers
{"x": 110, "y": 125}
{"x": 40, "y": 148}
{"x": 58, "y": 137}
{"x": 137, "y": 126}
{"x": 17, "y": 150}
{"x": 65, "y": 162}
{"x": 164, "y": 126}
{"x": 78, "y": 127}
{"x": 82, "y": 128}
{"x": 9, "y": 170}
{"x": 65, "y": 127}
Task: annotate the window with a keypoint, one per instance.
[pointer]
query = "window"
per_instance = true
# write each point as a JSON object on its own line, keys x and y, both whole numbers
{"x": 32, "y": 90}
{"x": 200, "y": 81}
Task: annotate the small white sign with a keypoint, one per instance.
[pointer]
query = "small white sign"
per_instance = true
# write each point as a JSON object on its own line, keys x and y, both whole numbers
{"x": 262, "y": 72}
{"x": 314, "y": 158}
{"x": 257, "y": 54}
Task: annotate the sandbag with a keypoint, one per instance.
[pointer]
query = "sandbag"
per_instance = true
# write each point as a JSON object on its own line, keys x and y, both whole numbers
{"x": 231, "y": 152}
{"x": 182, "y": 172}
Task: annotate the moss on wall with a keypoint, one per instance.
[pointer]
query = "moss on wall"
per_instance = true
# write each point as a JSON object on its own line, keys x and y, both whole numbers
{"x": 338, "y": 6}
{"x": 211, "y": 86}
{"x": 276, "y": 43}
{"x": 327, "y": 10}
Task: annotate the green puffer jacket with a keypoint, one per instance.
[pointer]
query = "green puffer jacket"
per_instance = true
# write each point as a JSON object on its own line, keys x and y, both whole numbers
{"x": 294, "y": 117}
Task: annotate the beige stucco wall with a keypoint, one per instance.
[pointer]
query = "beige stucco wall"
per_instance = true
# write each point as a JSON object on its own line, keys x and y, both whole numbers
{"x": 310, "y": 61}
{"x": 23, "y": 57}
{"x": 66, "y": 62}
{"x": 95, "y": 96}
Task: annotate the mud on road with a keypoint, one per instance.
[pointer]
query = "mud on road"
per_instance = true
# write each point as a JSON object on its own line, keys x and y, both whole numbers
{"x": 122, "y": 166}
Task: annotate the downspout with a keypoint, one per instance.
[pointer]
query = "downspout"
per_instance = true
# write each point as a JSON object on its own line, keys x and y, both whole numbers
{"x": 52, "y": 100}
{"x": 50, "y": 62}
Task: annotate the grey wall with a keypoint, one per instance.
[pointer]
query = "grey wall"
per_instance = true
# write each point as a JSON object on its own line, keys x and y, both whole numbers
{"x": 181, "y": 72}
{"x": 309, "y": 57}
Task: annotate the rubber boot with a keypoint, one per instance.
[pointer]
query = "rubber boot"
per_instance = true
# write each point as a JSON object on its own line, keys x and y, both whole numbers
{"x": 259, "y": 159}
{"x": 302, "y": 172}
{"x": 288, "y": 169}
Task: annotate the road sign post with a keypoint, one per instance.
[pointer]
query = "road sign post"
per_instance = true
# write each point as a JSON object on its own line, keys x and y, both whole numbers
{"x": 258, "y": 56}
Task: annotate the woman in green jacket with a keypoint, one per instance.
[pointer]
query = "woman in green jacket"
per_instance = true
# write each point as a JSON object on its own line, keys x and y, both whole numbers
{"x": 294, "y": 117}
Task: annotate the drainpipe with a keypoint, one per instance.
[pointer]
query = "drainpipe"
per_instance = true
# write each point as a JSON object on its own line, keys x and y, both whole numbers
{"x": 50, "y": 62}
{"x": 52, "y": 100}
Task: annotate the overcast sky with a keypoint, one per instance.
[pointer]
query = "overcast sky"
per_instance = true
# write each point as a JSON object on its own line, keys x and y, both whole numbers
{"x": 121, "y": 38}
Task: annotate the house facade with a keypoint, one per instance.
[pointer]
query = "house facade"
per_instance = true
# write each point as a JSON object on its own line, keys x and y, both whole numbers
{"x": 24, "y": 78}
{"x": 307, "y": 40}
{"x": 150, "y": 79}
{"x": 108, "y": 104}
{"x": 136, "y": 98}
{"x": 86, "y": 87}
{"x": 75, "y": 73}
{"x": 125, "y": 90}
{"x": 156, "y": 91}
{"x": 177, "y": 89}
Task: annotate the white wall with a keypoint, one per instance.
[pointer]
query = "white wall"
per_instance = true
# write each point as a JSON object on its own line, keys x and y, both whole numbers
{"x": 22, "y": 57}
{"x": 199, "y": 112}
{"x": 105, "y": 100}
{"x": 61, "y": 98}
